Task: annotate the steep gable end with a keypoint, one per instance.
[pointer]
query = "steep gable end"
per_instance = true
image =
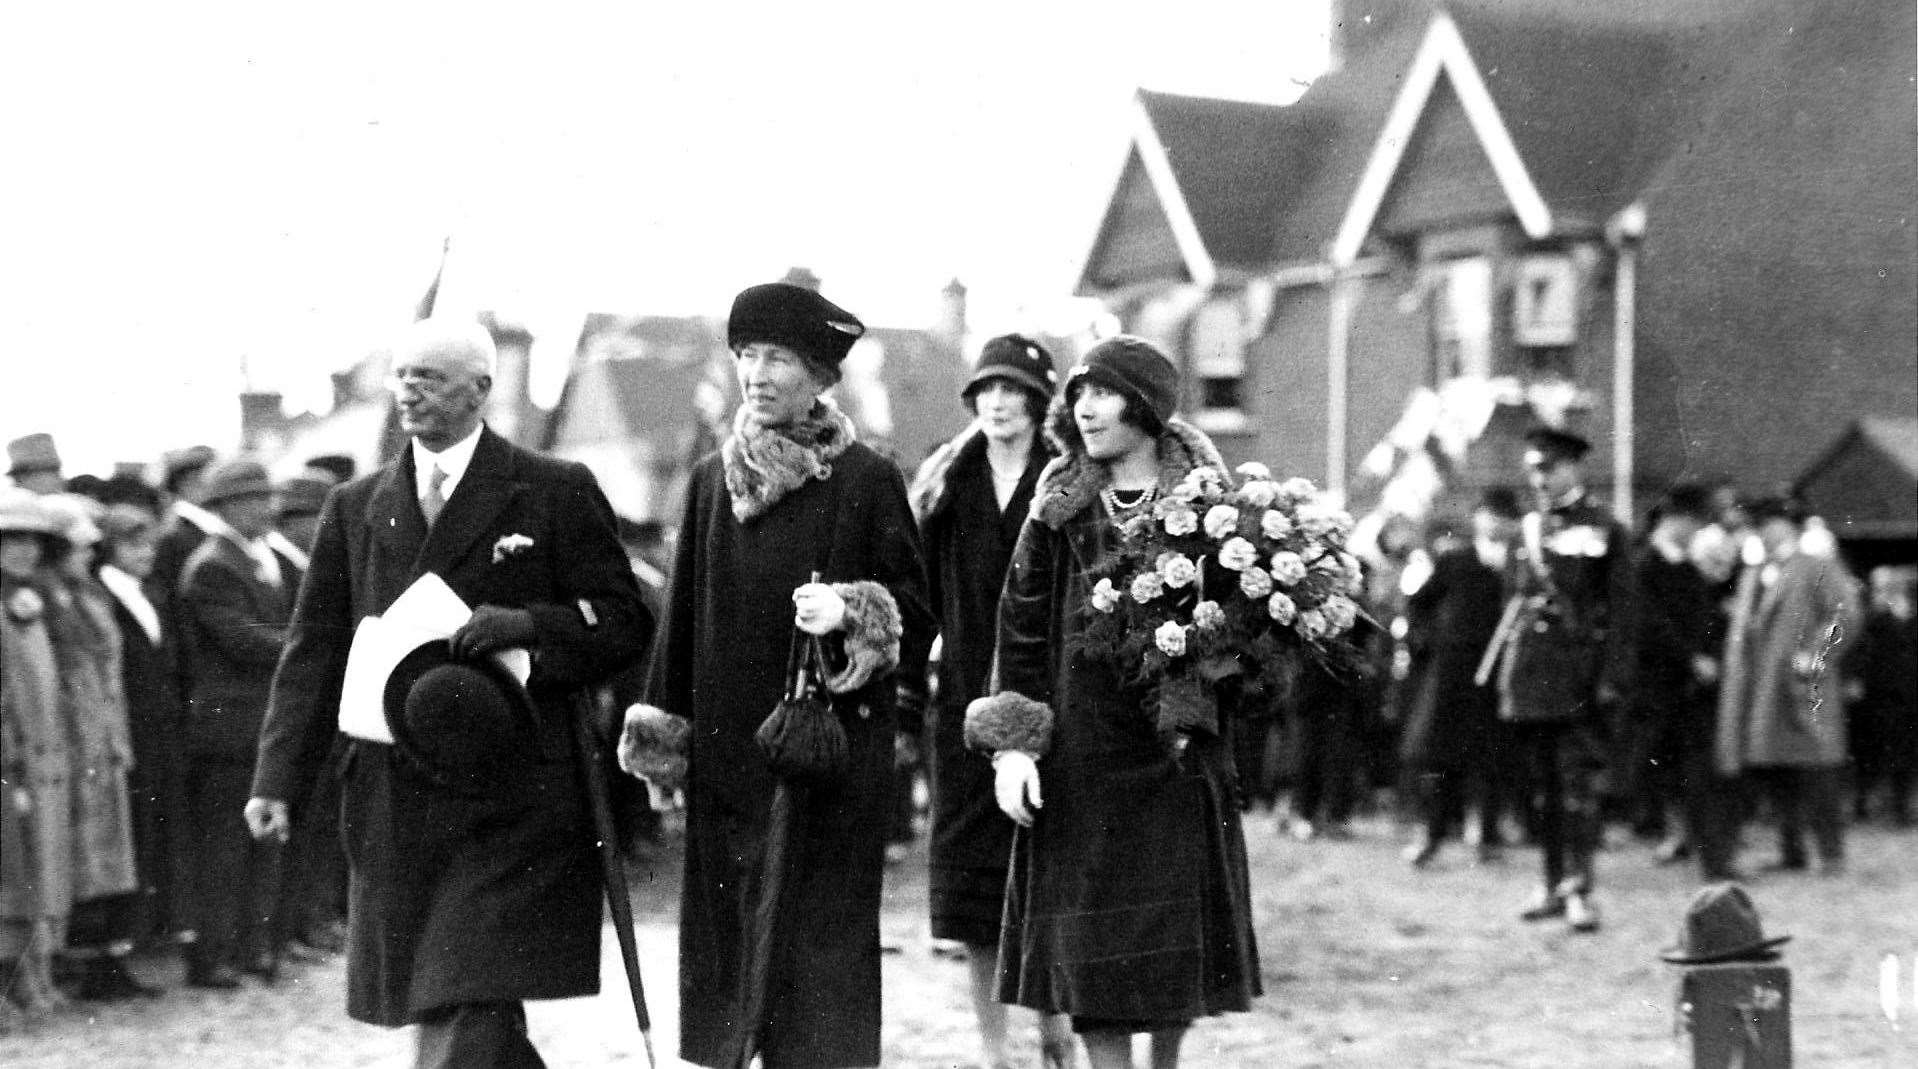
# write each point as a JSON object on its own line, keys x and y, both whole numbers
{"x": 1445, "y": 176}
{"x": 1136, "y": 241}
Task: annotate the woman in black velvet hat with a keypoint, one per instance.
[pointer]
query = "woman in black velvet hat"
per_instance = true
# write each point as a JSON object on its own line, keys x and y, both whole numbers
{"x": 790, "y": 493}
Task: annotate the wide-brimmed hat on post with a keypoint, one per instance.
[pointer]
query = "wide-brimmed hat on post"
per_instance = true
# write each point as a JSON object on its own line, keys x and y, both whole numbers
{"x": 1721, "y": 925}
{"x": 795, "y": 317}
{"x": 236, "y": 478}
{"x": 32, "y": 453}
{"x": 466, "y": 725}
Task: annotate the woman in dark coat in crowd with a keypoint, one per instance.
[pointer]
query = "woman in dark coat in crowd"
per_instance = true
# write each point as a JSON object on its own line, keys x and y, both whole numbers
{"x": 790, "y": 493}
{"x": 1128, "y": 903}
{"x": 972, "y": 496}
{"x": 154, "y": 717}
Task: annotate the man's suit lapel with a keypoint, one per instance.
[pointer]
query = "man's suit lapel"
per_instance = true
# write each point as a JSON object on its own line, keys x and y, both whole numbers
{"x": 396, "y": 530}
{"x": 486, "y": 488}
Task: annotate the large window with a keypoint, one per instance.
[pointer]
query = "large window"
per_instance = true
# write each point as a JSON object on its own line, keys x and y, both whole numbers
{"x": 1217, "y": 352}
{"x": 1462, "y": 318}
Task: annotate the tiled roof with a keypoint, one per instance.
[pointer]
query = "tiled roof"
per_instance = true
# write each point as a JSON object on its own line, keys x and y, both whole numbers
{"x": 1237, "y": 165}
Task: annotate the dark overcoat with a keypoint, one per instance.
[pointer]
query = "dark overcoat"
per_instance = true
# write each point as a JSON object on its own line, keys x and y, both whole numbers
{"x": 1576, "y": 637}
{"x": 721, "y": 662}
{"x": 1128, "y": 897}
{"x": 969, "y": 544}
{"x": 234, "y": 630}
{"x": 155, "y": 721}
{"x": 455, "y": 898}
{"x": 1451, "y": 619}
{"x": 1679, "y": 620}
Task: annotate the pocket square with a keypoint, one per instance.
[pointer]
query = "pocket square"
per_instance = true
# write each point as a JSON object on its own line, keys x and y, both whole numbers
{"x": 510, "y": 545}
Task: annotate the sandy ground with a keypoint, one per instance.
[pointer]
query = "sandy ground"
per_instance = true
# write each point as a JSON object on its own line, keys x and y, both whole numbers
{"x": 1366, "y": 963}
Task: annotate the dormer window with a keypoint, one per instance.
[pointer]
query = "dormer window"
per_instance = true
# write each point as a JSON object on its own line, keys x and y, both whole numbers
{"x": 1217, "y": 348}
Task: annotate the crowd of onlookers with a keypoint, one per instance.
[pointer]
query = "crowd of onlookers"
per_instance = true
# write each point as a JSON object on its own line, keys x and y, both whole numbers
{"x": 1420, "y": 730}
{"x": 143, "y": 615}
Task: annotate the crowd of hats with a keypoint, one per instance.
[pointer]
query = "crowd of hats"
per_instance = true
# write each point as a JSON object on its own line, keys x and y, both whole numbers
{"x": 95, "y": 521}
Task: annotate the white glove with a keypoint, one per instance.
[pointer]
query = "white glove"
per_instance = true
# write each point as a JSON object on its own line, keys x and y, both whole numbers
{"x": 1015, "y": 780}
{"x": 819, "y": 609}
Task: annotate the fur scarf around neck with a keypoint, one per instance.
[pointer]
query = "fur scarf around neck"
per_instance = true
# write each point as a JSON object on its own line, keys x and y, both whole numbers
{"x": 764, "y": 464}
{"x": 1072, "y": 481}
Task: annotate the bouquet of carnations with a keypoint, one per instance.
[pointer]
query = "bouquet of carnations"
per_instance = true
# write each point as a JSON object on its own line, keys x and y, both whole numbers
{"x": 1214, "y": 583}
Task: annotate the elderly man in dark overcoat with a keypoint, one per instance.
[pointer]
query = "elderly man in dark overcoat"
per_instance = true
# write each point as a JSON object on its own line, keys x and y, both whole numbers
{"x": 1571, "y": 661}
{"x": 461, "y": 904}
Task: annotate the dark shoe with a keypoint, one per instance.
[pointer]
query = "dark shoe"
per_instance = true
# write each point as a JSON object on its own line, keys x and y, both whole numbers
{"x": 1544, "y": 906}
{"x": 298, "y": 953}
{"x": 330, "y": 937}
{"x": 265, "y": 965}
{"x": 1785, "y": 864}
{"x": 107, "y": 980}
{"x": 217, "y": 977}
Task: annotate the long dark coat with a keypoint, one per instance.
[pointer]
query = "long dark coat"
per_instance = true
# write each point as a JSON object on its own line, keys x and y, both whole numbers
{"x": 453, "y": 898}
{"x": 1451, "y": 619}
{"x": 234, "y": 628}
{"x": 721, "y": 662}
{"x": 1128, "y": 897}
{"x": 969, "y": 543}
{"x": 156, "y": 722}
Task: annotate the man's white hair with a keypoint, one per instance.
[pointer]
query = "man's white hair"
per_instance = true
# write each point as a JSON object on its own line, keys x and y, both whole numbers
{"x": 464, "y": 342}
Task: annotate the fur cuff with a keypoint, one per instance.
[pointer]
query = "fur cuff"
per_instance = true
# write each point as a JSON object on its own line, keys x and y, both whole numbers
{"x": 654, "y": 744}
{"x": 872, "y": 635}
{"x": 1009, "y": 720}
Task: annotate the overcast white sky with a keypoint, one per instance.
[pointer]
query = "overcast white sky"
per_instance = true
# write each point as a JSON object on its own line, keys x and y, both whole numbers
{"x": 192, "y": 186}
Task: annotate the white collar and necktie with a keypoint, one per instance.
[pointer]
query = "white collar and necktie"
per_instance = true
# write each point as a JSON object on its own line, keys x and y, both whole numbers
{"x": 437, "y": 475}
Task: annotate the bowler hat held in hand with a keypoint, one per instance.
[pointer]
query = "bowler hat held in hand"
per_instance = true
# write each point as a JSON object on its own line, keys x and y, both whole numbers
{"x": 464, "y": 725}
{"x": 1721, "y": 925}
{"x": 803, "y": 738}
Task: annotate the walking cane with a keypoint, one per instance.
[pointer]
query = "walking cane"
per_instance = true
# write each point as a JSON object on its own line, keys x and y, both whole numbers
{"x": 592, "y": 764}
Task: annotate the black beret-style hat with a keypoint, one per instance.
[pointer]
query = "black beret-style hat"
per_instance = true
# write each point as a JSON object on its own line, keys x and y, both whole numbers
{"x": 1558, "y": 444}
{"x": 795, "y": 317}
{"x": 1018, "y": 359}
{"x": 1134, "y": 367}
{"x": 465, "y": 725}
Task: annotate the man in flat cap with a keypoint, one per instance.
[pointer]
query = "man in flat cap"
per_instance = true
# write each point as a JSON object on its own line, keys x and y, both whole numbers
{"x": 460, "y": 905}
{"x": 1570, "y": 659}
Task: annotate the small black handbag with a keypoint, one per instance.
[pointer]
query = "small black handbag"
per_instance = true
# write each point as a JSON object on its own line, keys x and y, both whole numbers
{"x": 803, "y": 738}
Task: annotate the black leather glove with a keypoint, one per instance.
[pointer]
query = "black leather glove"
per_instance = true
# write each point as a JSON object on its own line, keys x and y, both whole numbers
{"x": 493, "y": 627}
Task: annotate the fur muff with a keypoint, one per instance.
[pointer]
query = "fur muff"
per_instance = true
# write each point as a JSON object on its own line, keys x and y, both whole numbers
{"x": 872, "y": 631}
{"x": 1072, "y": 481}
{"x": 654, "y": 744}
{"x": 764, "y": 464}
{"x": 1009, "y": 720}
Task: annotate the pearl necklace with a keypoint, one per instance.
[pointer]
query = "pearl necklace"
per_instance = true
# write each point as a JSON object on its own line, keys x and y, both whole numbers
{"x": 1111, "y": 498}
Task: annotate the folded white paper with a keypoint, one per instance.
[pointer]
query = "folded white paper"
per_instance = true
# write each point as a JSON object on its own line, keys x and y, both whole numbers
{"x": 428, "y": 611}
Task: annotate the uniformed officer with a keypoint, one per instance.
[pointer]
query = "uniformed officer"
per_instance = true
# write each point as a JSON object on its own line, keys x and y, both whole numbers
{"x": 1568, "y": 664}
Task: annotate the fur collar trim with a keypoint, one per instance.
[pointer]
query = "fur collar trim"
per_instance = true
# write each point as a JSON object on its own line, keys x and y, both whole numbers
{"x": 1071, "y": 483}
{"x": 932, "y": 484}
{"x": 764, "y": 464}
